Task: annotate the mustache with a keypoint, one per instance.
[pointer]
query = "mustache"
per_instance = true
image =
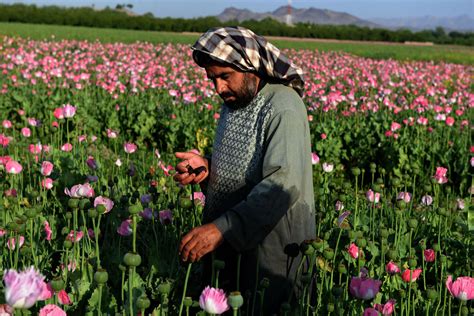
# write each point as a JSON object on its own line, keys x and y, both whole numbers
{"x": 226, "y": 95}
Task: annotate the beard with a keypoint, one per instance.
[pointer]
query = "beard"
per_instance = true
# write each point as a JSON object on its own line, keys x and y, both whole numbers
{"x": 244, "y": 95}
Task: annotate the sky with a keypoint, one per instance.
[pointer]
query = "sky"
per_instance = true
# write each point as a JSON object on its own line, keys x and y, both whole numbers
{"x": 360, "y": 8}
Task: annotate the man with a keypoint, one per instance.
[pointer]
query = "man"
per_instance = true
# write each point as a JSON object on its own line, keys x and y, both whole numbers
{"x": 258, "y": 181}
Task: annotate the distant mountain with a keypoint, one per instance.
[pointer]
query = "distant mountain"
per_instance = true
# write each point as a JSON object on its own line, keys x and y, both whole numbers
{"x": 311, "y": 15}
{"x": 459, "y": 23}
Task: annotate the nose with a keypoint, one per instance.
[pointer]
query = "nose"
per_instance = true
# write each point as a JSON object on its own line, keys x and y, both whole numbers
{"x": 221, "y": 87}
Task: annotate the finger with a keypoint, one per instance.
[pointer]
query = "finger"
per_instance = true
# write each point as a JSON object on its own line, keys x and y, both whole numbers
{"x": 188, "y": 179}
{"x": 186, "y": 238}
{"x": 199, "y": 178}
{"x": 184, "y": 155}
{"x": 188, "y": 250}
{"x": 180, "y": 176}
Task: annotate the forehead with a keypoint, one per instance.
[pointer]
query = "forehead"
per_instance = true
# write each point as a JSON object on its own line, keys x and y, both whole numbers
{"x": 216, "y": 70}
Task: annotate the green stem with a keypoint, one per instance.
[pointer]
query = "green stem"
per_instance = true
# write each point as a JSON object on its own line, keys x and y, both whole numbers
{"x": 188, "y": 271}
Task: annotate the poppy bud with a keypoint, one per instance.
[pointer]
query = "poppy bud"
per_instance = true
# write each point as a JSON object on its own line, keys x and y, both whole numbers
{"x": 413, "y": 223}
{"x": 57, "y": 284}
{"x": 143, "y": 302}
{"x": 355, "y": 171}
{"x": 101, "y": 276}
{"x": 132, "y": 259}
{"x": 432, "y": 294}
{"x": 67, "y": 244}
{"x": 412, "y": 263}
{"x": 164, "y": 288}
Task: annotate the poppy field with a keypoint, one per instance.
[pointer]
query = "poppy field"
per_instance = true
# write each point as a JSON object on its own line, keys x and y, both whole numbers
{"x": 91, "y": 219}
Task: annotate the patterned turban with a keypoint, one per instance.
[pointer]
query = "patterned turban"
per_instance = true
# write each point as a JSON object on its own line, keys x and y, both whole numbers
{"x": 248, "y": 52}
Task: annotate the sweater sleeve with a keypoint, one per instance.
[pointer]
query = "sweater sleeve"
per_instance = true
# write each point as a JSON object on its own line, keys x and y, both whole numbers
{"x": 246, "y": 224}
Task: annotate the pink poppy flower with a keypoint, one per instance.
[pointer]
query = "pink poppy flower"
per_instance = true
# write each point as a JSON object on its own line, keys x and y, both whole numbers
{"x": 2, "y": 232}
{"x": 46, "y": 168}
{"x": 26, "y": 132}
{"x": 166, "y": 169}
{"x": 369, "y": 311}
{"x": 33, "y": 122}
{"x": 111, "y": 133}
{"x": 51, "y": 310}
{"x": 35, "y": 149}
{"x": 339, "y": 206}
{"x": 372, "y": 197}
{"x": 13, "y": 167}
{"x": 58, "y": 113}
{"x": 404, "y": 196}
{"x": 392, "y": 268}
{"x": 12, "y": 242}
{"x": 364, "y": 288}
{"x": 66, "y": 147}
{"x": 429, "y": 255}
{"x": 353, "y": 251}
{"x": 47, "y": 230}
{"x": 327, "y": 167}
{"x": 426, "y": 200}
{"x": 199, "y": 197}
{"x": 78, "y": 237}
{"x": 125, "y": 228}
{"x": 387, "y": 308}
{"x": 81, "y": 138}
{"x": 314, "y": 158}
{"x": 6, "y": 124}
{"x": 55, "y": 124}
{"x": 47, "y": 292}
{"x": 80, "y": 190}
{"x": 395, "y": 126}
{"x": 129, "y": 148}
{"x": 440, "y": 175}
{"x": 213, "y": 301}
{"x": 47, "y": 183}
{"x": 4, "y": 140}
{"x": 450, "y": 121}
{"x": 23, "y": 289}
{"x": 108, "y": 203}
{"x": 462, "y": 288}
{"x": 414, "y": 275}
{"x": 69, "y": 111}
{"x": 6, "y": 310}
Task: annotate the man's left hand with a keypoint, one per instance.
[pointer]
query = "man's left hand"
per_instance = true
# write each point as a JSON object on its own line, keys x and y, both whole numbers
{"x": 199, "y": 242}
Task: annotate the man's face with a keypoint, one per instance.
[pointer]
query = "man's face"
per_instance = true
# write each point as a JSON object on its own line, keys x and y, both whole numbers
{"x": 235, "y": 87}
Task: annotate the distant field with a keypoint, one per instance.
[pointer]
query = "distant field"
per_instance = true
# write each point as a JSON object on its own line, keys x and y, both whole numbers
{"x": 437, "y": 53}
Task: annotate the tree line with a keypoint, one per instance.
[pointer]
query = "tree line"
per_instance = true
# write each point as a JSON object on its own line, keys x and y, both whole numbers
{"x": 112, "y": 18}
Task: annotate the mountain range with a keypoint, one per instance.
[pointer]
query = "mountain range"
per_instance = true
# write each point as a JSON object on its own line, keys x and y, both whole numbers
{"x": 323, "y": 16}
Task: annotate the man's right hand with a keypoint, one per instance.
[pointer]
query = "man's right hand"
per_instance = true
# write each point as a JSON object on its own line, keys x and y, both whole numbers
{"x": 190, "y": 159}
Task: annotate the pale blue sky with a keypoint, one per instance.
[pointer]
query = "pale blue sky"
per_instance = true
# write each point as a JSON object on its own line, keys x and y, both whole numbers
{"x": 359, "y": 8}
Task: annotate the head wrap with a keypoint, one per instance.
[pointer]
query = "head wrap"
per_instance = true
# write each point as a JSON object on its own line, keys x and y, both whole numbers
{"x": 248, "y": 52}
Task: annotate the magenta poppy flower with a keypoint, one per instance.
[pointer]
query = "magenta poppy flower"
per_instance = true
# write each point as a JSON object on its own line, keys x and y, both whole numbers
{"x": 46, "y": 168}
{"x": 166, "y": 217}
{"x": 364, "y": 288}
{"x": 353, "y": 251}
{"x": 13, "y": 167}
{"x": 369, "y": 311}
{"x": 108, "y": 203}
{"x": 314, "y": 158}
{"x": 58, "y": 113}
{"x": 125, "y": 228}
{"x": 429, "y": 255}
{"x": 440, "y": 175}
{"x": 462, "y": 288}
{"x": 47, "y": 292}
{"x": 51, "y": 310}
{"x": 66, "y": 147}
{"x": 23, "y": 289}
{"x": 63, "y": 298}
{"x": 387, "y": 308}
{"x": 392, "y": 268}
{"x": 129, "y": 148}
{"x": 414, "y": 275}
{"x": 4, "y": 140}
{"x": 213, "y": 301}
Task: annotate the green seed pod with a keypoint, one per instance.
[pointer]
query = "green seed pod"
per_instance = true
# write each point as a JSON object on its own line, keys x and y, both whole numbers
{"x": 185, "y": 203}
{"x": 342, "y": 268}
{"x": 25, "y": 251}
{"x": 355, "y": 171}
{"x": 73, "y": 203}
{"x": 57, "y": 284}
{"x": 101, "y": 276}
{"x": 218, "y": 264}
{"x": 164, "y": 288}
{"x": 330, "y": 307}
{"x": 401, "y": 204}
{"x": 306, "y": 248}
{"x": 100, "y": 208}
{"x": 379, "y": 181}
{"x": 465, "y": 311}
{"x": 373, "y": 165}
{"x": 68, "y": 215}
{"x": 393, "y": 254}
{"x": 188, "y": 301}
{"x": 361, "y": 242}
{"x": 352, "y": 234}
{"x": 437, "y": 248}
{"x": 317, "y": 244}
{"x": 328, "y": 253}
{"x": 235, "y": 300}
{"x": 376, "y": 188}
{"x": 135, "y": 209}
{"x": 384, "y": 233}
{"x": 337, "y": 291}
{"x": 92, "y": 213}
{"x": 132, "y": 259}
{"x": 432, "y": 294}
{"x": 427, "y": 188}
{"x": 30, "y": 213}
{"x": 122, "y": 268}
{"x": 143, "y": 302}
{"x": 412, "y": 263}
{"x": 265, "y": 283}
{"x": 12, "y": 226}
{"x": 67, "y": 244}
{"x": 84, "y": 204}
{"x": 413, "y": 223}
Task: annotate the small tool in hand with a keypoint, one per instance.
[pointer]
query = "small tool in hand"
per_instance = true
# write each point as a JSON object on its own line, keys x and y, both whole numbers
{"x": 196, "y": 171}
